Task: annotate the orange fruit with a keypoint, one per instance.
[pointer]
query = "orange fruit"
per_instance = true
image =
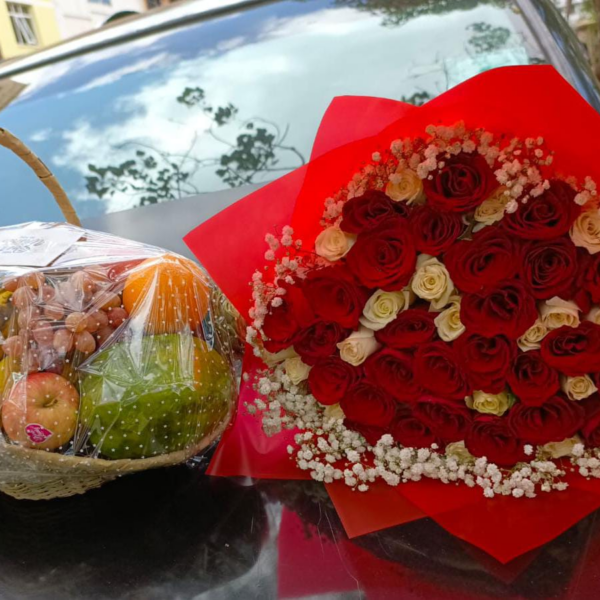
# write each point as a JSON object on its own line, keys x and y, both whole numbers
{"x": 167, "y": 293}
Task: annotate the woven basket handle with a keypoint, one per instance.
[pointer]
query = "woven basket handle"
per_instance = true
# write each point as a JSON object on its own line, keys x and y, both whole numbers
{"x": 8, "y": 140}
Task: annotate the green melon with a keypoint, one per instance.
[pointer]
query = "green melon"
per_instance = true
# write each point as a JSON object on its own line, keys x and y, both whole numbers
{"x": 153, "y": 395}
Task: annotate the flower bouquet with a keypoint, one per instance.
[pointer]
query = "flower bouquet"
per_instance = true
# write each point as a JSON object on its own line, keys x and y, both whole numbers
{"x": 115, "y": 356}
{"x": 425, "y": 315}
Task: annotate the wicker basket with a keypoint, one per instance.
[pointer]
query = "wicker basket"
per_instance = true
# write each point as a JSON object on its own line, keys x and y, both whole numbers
{"x": 40, "y": 475}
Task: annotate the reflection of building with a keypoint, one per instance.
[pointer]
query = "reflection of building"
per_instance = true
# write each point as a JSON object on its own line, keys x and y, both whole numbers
{"x": 78, "y": 16}
{"x": 25, "y": 26}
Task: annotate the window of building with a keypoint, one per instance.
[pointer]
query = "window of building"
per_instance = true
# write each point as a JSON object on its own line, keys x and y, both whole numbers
{"x": 150, "y": 4}
{"x": 22, "y": 22}
{"x": 107, "y": 2}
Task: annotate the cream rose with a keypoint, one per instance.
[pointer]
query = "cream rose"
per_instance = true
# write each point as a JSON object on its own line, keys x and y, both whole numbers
{"x": 296, "y": 370}
{"x": 333, "y": 411}
{"x": 560, "y": 449}
{"x": 578, "y": 388}
{"x": 448, "y": 323}
{"x": 271, "y": 359}
{"x": 531, "y": 339}
{"x": 490, "y": 404}
{"x": 459, "y": 451}
{"x": 358, "y": 346}
{"x": 585, "y": 232}
{"x": 594, "y": 315}
{"x": 383, "y": 307}
{"x": 332, "y": 243}
{"x": 405, "y": 186}
{"x": 492, "y": 209}
{"x": 557, "y": 312}
{"x": 432, "y": 282}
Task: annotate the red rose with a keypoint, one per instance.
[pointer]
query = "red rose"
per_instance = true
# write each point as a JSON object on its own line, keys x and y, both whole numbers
{"x": 384, "y": 257}
{"x": 591, "y": 427}
{"x": 573, "y": 350}
{"x": 334, "y": 295}
{"x": 485, "y": 360}
{"x": 319, "y": 341}
{"x": 330, "y": 378}
{"x": 392, "y": 371}
{"x": 531, "y": 380}
{"x": 447, "y": 420}
{"x": 437, "y": 370}
{"x": 365, "y": 212}
{"x": 508, "y": 309}
{"x": 490, "y": 437}
{"x": 369, "y": 405}
{"x": 547, "y": 216}
{"x": 549, "y": 268}
{"x": 282, "y": 324}
{"x": 490, "y": 257}
{"x": 434, "y": 231}
{"x": 553, "y": 421}
{"x": 409, "y": 329}
{"x": 591, "y": 276}
{"x": 410, "y": 432}
{"x": 464, "y": 182}
{"x": 371, "y": 434}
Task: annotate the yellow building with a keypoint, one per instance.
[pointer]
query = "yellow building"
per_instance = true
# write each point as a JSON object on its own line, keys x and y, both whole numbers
{"x": 25, "y": 26}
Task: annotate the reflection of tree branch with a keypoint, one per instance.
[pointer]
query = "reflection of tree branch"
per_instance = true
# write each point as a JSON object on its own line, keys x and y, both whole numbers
{"x": 157, "y": 175}
{"x": 295, "y": 151}
{"x": 218, "y": 139}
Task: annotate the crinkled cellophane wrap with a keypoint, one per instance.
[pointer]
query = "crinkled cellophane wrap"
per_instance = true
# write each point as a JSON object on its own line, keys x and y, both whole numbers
{"x": 116, "y": 357}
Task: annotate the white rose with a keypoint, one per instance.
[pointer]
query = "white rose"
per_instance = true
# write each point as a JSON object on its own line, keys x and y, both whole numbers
{"x": 531, "y": 339}
{"x": 332, "y": 243}
{"x": 459, "y": 451}
{"x": 492, "y": 209}
{"x": 296, "y": 370}
{"x": 557, "y": 312}
{"x": 358, "y": 346}
{"x": 594, "y": 315}
{"x": 432, "y": 282}
{"x": 561, "y": 449}
{"x": 272, "y": 359}
{"x": 490, "y": 404}
{"x": 333, "y": 411}
{"x": 585, "y": 232}
{"x": 578, "y": 388}
{"x": 383, "y": 307}
{"x": 405, "y": 186}
{"x": 448, "y": 323}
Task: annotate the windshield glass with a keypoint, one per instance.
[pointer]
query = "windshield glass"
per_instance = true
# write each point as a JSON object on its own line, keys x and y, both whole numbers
{"x": 235, "y": 99}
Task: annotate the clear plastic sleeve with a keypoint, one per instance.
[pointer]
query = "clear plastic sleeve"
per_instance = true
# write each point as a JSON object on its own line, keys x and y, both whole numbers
{"x": 114, "y": 351}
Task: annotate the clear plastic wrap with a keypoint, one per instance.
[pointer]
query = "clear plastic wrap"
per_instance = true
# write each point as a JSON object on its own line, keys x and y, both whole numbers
{"x": 115, "y": 356}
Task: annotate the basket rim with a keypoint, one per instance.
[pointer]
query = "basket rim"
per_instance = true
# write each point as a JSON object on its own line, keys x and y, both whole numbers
{"x": 62, "y": 462}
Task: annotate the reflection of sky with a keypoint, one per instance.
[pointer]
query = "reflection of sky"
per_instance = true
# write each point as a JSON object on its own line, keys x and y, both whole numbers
{"x": 284, "y": 62}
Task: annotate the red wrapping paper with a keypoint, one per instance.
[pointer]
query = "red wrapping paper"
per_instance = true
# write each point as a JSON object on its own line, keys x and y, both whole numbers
{"x": 352, "y": 129}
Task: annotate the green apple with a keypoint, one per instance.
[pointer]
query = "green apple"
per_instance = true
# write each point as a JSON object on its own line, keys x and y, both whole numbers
{"x": 153, "y": 395}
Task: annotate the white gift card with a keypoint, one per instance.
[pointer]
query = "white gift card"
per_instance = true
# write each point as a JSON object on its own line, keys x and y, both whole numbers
{"x": 35, "y": 247}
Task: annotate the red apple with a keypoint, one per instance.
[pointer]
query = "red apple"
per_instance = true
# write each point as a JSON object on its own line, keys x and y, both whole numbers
{"x": 41, "y": 411}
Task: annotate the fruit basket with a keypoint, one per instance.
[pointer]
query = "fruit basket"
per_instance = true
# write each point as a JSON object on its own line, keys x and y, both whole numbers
{"x": 115, "y": 356}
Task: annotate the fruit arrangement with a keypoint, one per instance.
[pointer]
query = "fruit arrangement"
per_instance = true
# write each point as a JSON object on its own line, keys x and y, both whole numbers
{"x": 113, "y": 357}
